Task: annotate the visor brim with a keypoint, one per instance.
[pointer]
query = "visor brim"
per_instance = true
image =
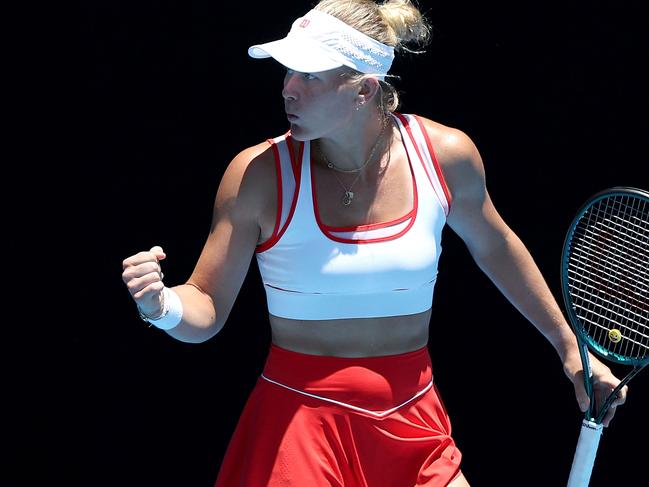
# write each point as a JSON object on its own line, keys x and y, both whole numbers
{"x": 301, "y": 55}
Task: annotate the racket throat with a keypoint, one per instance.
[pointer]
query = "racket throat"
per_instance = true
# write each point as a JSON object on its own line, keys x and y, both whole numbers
{"x": 588, "y": 382}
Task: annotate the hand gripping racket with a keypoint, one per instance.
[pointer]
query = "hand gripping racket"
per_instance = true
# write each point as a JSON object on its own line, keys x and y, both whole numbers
{"x": 605, "y": 285}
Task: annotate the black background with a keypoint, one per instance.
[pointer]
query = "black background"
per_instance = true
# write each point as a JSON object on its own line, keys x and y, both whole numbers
{"x": 551, "y": 92}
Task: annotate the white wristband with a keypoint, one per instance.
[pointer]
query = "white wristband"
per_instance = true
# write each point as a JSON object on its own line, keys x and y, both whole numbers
{"x": 172, "y": 311}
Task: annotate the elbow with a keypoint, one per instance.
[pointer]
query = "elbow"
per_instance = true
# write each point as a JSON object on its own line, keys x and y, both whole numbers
{"x": 501, "y": 246}
{"x": 495, "y": 244}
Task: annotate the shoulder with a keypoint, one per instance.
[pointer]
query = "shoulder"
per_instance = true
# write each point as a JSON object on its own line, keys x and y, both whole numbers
{"x": 251, "y": 161}
{"x": 248, "y": 181}
{"x": 451, "y": 144}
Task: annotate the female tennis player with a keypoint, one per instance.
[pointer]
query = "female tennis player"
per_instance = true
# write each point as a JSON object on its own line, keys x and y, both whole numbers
{"x": 344, "y": 213}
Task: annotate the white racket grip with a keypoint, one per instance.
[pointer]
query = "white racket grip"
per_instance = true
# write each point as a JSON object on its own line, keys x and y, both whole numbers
{"x": 584, "y": 459}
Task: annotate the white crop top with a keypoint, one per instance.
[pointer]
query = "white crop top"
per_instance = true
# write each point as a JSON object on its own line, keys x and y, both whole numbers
{"x": 312, "y": 271}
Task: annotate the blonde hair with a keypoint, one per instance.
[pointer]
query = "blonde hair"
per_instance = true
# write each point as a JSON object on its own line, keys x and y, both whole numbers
{"x": 396, "y": 23}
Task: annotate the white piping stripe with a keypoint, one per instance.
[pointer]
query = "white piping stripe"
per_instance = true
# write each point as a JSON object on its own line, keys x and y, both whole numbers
{"x": 420, "y": 140}
{"x": 349, "y": 406}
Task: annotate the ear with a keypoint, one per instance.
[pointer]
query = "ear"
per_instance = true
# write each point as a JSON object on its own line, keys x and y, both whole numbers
{"x": 367, "y": 89}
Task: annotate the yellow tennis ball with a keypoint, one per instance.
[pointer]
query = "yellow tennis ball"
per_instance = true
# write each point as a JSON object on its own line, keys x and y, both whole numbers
{"x": 614, "y": 335}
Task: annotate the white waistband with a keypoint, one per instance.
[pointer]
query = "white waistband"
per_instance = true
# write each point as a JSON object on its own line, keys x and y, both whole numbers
{"x": 330, "y": 306}
{"x": 376, "y": 414}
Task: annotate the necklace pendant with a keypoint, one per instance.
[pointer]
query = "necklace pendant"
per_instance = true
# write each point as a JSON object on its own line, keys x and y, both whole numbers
{"x": 347, "y": 199}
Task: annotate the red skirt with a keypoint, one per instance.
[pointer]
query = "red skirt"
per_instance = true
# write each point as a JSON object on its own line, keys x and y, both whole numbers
{"x": 355, "y": 422}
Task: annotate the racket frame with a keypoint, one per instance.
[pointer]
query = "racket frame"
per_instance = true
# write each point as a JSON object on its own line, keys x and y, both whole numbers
{"x": 591, "y": 428}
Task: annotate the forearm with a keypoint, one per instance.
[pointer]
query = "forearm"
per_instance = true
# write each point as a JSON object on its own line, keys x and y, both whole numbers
{"x": 199, "y": 316}
{"x": 512, "y": 269}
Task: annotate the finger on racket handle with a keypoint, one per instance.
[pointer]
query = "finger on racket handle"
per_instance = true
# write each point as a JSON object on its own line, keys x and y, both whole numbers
{"x": 584, "y": 459}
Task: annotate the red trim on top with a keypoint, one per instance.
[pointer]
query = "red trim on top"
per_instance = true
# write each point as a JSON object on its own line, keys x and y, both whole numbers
{"x": 406, "y": 125}
{"x": 274, "y": 238}
{"x": 412, "y": 214}
{"x": 438, "y": 169}
{"x": 371, "y": 226}
{"x": 278, "y": 213}
{"x": 408, "y": 128}
{"x": 294, "y": 161}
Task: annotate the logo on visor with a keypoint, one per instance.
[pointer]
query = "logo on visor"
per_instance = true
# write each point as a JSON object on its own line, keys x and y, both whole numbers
{"x": 304, "y": 23}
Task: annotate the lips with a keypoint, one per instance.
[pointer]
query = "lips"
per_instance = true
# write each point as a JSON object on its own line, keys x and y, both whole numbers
{"x": 291, "y": 117}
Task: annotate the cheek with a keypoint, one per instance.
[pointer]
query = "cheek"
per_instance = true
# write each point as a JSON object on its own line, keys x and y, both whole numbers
{"x": 338, "y": 106}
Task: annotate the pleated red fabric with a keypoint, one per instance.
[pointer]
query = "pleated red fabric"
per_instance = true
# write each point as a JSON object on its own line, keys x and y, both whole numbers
{"x": 355, "y": 422}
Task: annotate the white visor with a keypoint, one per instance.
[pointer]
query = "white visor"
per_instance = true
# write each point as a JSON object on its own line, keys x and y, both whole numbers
{"x": 320, "y": 42}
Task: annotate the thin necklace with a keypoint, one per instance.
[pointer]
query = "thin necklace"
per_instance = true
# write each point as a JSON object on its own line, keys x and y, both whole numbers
{"x": 349, "y": 194}
{"x": 331, "y": 165}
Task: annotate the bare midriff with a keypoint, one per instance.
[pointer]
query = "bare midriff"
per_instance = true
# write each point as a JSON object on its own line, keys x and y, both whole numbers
{"x": 356, "y": 337}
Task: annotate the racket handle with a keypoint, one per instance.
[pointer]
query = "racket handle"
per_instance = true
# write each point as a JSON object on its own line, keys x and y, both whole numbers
{"x": 584, "y": 459}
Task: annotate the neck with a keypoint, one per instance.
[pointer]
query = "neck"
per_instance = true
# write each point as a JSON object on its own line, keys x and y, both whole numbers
{"x": 346, "y": 154}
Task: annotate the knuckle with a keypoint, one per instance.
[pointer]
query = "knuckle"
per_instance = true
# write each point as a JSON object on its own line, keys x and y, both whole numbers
{"x": 132, "y": 286}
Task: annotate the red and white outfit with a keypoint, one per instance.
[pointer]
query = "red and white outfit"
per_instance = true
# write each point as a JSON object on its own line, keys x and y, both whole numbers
{"x": 353, "y": 422}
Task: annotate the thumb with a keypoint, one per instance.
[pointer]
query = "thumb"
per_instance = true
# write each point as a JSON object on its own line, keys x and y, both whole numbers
{"x": 584, "y": 401}
{"x": 158, "y": 252}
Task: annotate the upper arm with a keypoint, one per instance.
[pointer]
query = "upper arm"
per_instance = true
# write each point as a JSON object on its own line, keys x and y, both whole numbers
{"x": 472, "y": 214}
{"x": 243, "y": 197}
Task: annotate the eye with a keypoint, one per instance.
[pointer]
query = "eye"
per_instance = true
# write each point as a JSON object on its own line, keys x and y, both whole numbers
{"x": 308, "y": 76}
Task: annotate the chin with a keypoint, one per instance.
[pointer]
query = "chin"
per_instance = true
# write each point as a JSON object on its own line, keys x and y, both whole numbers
{"x": 299, "y": 133}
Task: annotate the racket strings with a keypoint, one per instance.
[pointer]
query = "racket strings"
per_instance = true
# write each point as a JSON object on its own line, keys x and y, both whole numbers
{"x": 608, "y": 274}
{"x": 629, "y": 254}
{"x": 625, "y": 273}
{"x": 620, "y": 273}
{"x": 627, "y": 231}
{"x": 623, "y": 270}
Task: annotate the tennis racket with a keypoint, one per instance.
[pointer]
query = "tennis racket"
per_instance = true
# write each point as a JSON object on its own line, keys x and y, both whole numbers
{"x": 605, "y": 285}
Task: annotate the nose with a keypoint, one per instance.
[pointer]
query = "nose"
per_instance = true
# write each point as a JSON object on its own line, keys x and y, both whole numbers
{"x": 289, "y": 92}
